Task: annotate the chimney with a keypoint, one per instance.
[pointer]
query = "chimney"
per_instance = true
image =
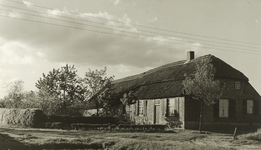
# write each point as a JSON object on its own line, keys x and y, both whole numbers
{"x": 190, "y": 55}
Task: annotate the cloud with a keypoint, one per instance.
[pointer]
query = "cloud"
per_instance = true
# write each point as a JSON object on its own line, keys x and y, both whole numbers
{"x": 104, "y": 15}
{"x": 116, "y": 2}
{"x": 123, "y": 24}
{"x": 11, "y": 13}
{"x": 40, "y": 54}
{"x": 84, "y": 47}
{"x": 153, "y": 20}
{"x": 5, "y": 76}
{"x": 28, "y": 4}
{"x": 58, "y": 12}
{"x": 17, "y": 53}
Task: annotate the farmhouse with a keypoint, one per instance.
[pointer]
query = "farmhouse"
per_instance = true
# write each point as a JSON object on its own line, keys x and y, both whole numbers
{"x": 160, "y": 96}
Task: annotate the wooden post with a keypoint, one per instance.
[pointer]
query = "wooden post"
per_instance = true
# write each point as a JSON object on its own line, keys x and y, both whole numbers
{"x": 235, "y": 131}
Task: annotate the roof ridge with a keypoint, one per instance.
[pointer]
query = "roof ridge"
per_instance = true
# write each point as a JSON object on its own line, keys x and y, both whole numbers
{"x": 140, "y": 75}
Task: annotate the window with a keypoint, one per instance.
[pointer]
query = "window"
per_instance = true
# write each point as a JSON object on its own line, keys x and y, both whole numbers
{"x": 250, "y": 107}
{"x": 238, "y": 85}
{"x": 171, "y": 107}
{"x": 223, "y": 107}
{"x": 140, "y": 107}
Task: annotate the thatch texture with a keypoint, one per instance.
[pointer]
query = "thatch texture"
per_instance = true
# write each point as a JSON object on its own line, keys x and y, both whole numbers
{"x": 166, "y": 81}
{"x": 21, "y": 117}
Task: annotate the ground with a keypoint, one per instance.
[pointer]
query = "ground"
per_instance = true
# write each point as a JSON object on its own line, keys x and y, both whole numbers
{"x": 31, "y": 138}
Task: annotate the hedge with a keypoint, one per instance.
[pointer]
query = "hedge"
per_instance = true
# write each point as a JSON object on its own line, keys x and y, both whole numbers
{"x": 21, "y": 117}
{"x": 89, "y": 120}
{"x": 120, "y": 127}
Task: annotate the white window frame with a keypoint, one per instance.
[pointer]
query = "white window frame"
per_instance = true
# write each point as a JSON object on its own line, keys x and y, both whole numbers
{"x": 223, "y": 108}
{"x": 250, "y": 107}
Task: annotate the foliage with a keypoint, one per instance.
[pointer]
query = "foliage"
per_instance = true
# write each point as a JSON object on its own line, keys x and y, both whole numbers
{"x": 256, "y": 136}
{"x": 62, "y": 92}
{"x": 63, "y": 85}
{"x": 107, "y": 99}
{"x": 202, "y": 85}
{"x": 98, "y": 86}
{"x": 173, "y": 122}
{"x": 15, "y": 95}
{"x": 129, "y": 98}
{"x": 24, "y": 117}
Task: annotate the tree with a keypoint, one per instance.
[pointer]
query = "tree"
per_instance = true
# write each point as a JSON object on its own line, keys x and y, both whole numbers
{"x": 15, "y": 94}
{"x": 64, "y": 85}
{"x": 96, "y": 82}
{"x": 203, "y": 86}
{"x": 129, "y": 98}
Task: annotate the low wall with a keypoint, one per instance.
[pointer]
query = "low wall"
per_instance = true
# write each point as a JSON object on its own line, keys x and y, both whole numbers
{"x": 21, "y": 117}
{"x": 223, "y": 127}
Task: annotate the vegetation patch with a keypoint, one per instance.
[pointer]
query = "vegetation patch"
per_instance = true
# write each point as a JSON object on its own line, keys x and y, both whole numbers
{"x": 23, "y": 117}
{"x": 256, "y": 136}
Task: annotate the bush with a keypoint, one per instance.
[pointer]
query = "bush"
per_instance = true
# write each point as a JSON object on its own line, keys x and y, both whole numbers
{"x": 89, "y": 120}
{"x": 173, "y": 122}
{"x": 84, "y": 126}
{"x": 23, "y": 117}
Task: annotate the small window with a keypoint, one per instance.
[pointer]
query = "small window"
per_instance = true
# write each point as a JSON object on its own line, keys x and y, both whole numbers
{"x": 223, "y": 107}
{"x": 250, "y": 107}
{"x": 140, "y": 107}
{"x": 171, "y": 107}
{"x": 238, "y": 85}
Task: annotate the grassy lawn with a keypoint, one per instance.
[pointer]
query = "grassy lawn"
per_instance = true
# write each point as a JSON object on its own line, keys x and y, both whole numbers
{"x": 29, "y": 138}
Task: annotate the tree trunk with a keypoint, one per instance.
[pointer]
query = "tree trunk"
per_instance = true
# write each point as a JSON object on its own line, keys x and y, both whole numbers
{"x": 200, "y": 117}
{"x": 97, "y": 107}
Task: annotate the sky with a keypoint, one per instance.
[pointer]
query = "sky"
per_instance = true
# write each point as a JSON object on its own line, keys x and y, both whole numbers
{"x": 126, "y": 36}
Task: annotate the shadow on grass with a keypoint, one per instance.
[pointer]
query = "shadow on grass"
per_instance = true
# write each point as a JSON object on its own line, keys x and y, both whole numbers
{"x": 8, "y": 142}
{"x": 68, "y": 146}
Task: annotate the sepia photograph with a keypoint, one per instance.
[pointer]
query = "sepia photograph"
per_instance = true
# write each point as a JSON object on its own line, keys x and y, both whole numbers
{"x": 130, "y": 74}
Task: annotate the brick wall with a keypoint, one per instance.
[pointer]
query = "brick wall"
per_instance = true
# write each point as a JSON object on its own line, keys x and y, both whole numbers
{"x": 246, "y": 92}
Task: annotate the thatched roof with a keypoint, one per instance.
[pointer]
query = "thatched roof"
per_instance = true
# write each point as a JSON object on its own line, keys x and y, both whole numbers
{"x": 166, "y": 81}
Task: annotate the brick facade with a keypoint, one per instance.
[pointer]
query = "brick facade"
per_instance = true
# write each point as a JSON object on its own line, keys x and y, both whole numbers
{"x": 246, "y": 92}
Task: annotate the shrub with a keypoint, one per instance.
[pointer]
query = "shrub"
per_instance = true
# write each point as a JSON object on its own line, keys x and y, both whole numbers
{"x": 23, "y": 117}
{"x": 173, "y": 122}
{"x": 89, "y": 120}
{"x": 253, "y": 136}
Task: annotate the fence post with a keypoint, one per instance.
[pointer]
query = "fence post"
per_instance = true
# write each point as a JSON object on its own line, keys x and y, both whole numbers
{"x": 235, "y": 131}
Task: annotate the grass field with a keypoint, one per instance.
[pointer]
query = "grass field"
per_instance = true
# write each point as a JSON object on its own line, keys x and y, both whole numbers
{"x": 29, "y": 138}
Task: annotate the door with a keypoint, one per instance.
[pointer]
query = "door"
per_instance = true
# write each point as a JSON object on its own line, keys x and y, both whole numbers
{"x": 156, "y": 114}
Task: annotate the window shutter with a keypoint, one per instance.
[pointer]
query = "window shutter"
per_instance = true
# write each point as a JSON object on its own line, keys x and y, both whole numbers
{"x": 232, "y": 108}
{"x": 162, "y": 106}
{"x": 167, "y": 108}
{"x": 144, "y": 108}
{"x": 244, "y": 106}
{"x": 137, "y": 107}
{"x": 216, "y": 109}
{"x": 256, "y": 107}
